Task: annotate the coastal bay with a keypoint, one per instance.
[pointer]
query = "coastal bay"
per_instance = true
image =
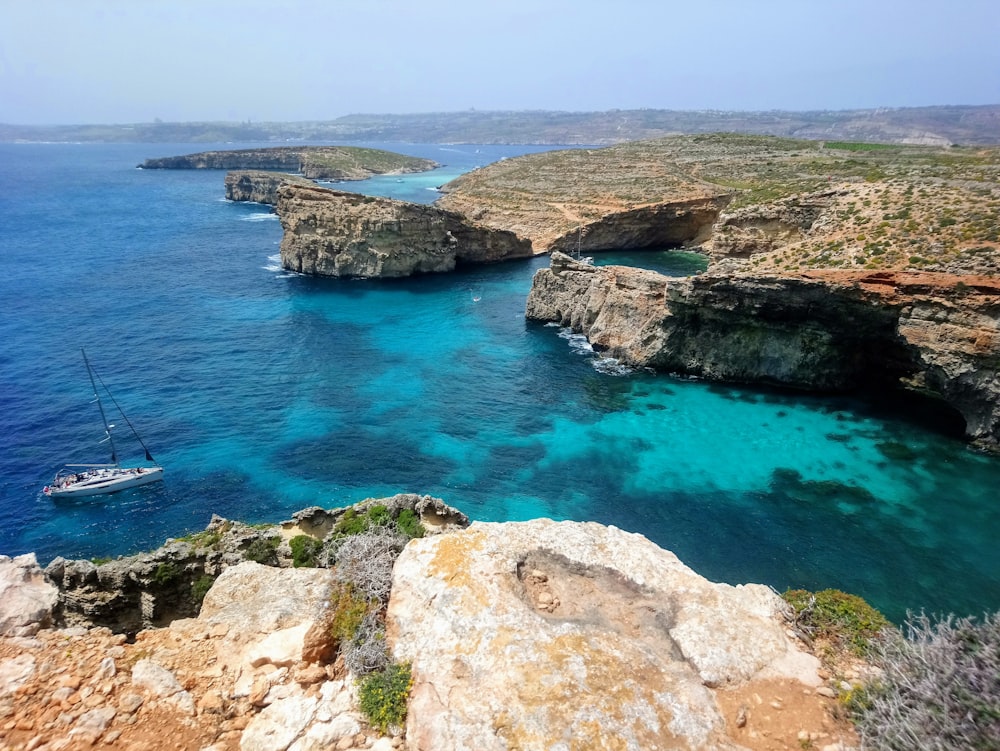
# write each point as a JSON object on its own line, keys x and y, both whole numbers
{"x": 263, "y": 392}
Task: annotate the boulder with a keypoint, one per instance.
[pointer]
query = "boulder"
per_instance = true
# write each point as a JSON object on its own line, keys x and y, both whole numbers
{"x": 550, "y": 634}
{"x": 27, "y": 598}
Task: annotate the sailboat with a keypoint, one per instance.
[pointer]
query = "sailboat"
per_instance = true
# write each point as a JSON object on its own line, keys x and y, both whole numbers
{"x": 80, "y": 480}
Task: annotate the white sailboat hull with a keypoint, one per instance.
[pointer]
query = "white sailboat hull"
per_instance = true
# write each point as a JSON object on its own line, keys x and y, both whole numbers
{"x": 81, "y": 480}
{"x": 101, "y": 481}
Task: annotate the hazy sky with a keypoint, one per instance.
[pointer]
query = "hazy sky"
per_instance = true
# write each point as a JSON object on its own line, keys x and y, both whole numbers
{"x": 123, "y": 61}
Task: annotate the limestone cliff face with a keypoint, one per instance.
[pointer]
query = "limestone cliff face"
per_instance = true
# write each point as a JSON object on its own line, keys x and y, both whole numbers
{"x": 259, "y": 186}
{"x": 822, "y": 330}
{"x": 332, "y": 233}
{"x": 658, "y": 225}
{"x": 763, "y": 228}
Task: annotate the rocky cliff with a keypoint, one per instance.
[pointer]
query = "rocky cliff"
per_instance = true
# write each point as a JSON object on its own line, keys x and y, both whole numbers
{"x": 259, "y": 186}
{"x": 523, "y": 635}
{"x": 314, "y": 162}
{"x": 332, "y": 233}
{"x": 936, "y": 333}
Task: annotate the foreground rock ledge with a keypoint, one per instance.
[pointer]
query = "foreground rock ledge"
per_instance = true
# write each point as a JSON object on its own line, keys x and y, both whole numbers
{"x": 532, "y": 635}
{"x": 575, "y": 635}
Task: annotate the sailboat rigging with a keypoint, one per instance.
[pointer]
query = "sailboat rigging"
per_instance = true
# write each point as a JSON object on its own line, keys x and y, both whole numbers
{"x": 79, "y": 480}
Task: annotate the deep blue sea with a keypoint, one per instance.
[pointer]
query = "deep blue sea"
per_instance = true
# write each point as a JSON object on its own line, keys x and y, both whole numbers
{"x": 262, "y": 392}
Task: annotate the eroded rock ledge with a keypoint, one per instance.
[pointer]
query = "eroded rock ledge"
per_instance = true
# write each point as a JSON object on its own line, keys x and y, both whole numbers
{"x": 259, "y": 186}
{"x": 333, "y": 233}
{"x": 935, "y": 333}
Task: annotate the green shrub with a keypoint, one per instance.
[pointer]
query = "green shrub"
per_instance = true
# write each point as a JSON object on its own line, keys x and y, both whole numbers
{"x": 377, "y": 515}
{"x": 263, "y": 550}
{"x": 347, "y": 611}
{"x": 383, "y": 696}
{"x": 305, "y": 549}
{"x": 166, "y": 573}
{"x": 353, "y": 523}
{"x": 200, "y": 587}
{"x": 204, "y": 539}
{"x": 939, "y": 689}
{"x": 844, "y": 620}
{"x": 350, "y": 523}
{"x": 409, "y": 524}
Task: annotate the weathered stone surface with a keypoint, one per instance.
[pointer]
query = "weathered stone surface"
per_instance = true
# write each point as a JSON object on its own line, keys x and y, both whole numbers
{"x": 26, "y": 597}
{"x": 255, "y": 599}
{"x": 14, "y": 672}
{"x": 332, "y": 233}
{"x": 259, "y": 186}
{"x": 935, "y": 333}
{"x": 162, "y": 684}
{"x": 760, "y": 229}
{"x": 625, "y": 659}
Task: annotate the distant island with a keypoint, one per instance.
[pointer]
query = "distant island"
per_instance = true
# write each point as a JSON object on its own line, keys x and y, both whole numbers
{"x": 927, "y": 126}
{"x": 313, "y": 162}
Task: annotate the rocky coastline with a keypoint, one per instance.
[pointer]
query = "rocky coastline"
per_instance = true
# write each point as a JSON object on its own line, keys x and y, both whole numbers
{"x": 936, "y": 334}
{"x": 527, "y": 634}
{"x": 808, "y": 288}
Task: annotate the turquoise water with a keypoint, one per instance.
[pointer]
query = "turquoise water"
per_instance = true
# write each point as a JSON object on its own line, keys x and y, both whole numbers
{"x": 262, "y": 392}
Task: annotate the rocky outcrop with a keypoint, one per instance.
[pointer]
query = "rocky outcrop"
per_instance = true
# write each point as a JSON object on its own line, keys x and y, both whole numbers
{"x": 259, "y": 186}
{"x": 332, "y": 233}
{"x": 152, "y": 589}
{"x": 760, "y": 229}
{"x": 936, "y": 333}
{"x": 27, "y": 598}
{"x": 313, "y": 162}
{"x": 550, "y": 634}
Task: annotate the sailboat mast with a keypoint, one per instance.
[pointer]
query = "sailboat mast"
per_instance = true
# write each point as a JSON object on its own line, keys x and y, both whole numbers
{"x": 100, "y": 406}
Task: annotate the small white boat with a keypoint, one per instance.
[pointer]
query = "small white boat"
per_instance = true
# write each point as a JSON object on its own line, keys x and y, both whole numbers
{"x": 80, "y": 480}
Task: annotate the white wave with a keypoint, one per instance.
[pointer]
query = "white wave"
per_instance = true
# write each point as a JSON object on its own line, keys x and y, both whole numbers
{"x": 610, "y": 366}
{"x": 275, "y": 258}
{"x": 579, "y": 344}
{"x": 260, "y": 217}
